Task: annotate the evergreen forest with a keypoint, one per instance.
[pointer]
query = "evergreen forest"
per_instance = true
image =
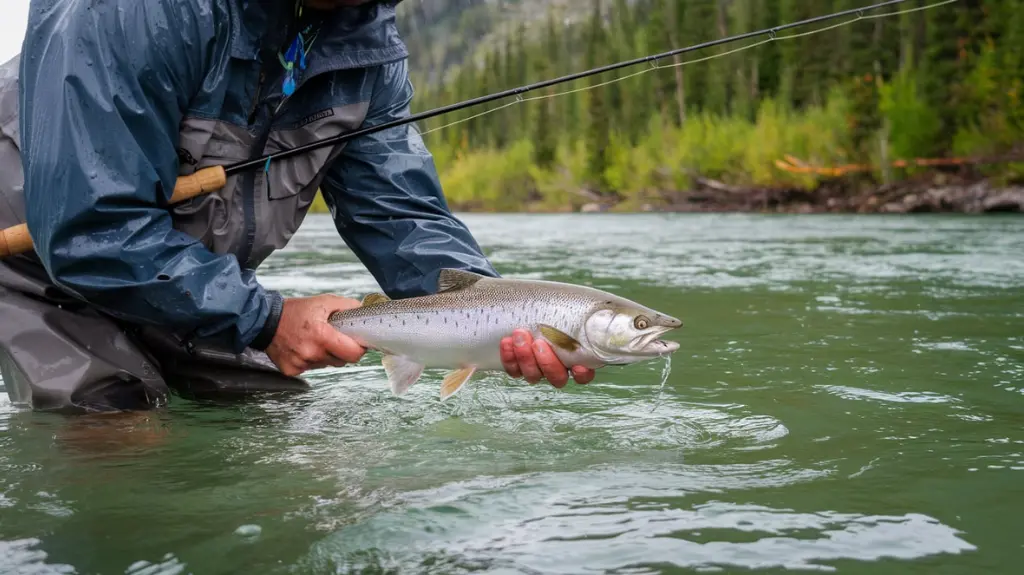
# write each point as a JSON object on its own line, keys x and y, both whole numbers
{"x": 940, "y": 82}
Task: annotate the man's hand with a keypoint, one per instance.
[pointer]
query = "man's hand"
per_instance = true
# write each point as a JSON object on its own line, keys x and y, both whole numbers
{"x": 535, "y": 360}
{"x": 304, "y": 340}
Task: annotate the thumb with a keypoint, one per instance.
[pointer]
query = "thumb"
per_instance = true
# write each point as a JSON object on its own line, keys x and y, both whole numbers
{"x": 341, "y": 346}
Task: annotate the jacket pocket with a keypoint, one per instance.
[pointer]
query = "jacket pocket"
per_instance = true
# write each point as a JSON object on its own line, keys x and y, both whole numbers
{"x": 213, "y": 217}
{"x": 291, "y": 176}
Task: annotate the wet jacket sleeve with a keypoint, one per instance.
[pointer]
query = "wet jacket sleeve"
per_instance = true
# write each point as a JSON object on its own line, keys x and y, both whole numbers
{"x": 104, "y": 86}
{"x": 387, "y": 203}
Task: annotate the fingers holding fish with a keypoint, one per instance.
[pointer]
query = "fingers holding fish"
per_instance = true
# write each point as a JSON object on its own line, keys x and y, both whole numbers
{"x": 534, "y": 360}
{"x": 304, "y": 339}
{"x": 550, "y": 365}
{"x": 327, "y": 348}
{"x": 583, "y": 375}
{"x": 525, "y": 358}
{"x": 339, "y": 347}
{"x": 329, "y": 362}
{"x": 509, "y": 360}
{"x": 553, "y": 369}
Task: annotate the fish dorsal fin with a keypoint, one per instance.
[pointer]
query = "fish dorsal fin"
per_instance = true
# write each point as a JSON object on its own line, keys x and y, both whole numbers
{"x": 559, "y": 338}
{"x": 452, "y": 279}
{"x": 374, "y": 299}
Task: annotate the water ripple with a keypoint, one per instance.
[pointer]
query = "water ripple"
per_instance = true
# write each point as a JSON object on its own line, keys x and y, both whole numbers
{"x": 855, "y": 393}
{"x": 615, "y": 518}
{"x": 22, "y": 556}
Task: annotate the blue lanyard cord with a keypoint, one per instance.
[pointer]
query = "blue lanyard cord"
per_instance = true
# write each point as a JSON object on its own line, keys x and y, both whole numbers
{"x": 296, "y": 54}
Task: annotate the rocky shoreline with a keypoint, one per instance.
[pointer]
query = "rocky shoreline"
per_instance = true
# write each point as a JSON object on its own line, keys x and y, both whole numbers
{"x": 932, "y": 193}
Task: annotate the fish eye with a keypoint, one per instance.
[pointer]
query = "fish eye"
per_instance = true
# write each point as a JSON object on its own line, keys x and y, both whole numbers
{"x": 641, "y": 322}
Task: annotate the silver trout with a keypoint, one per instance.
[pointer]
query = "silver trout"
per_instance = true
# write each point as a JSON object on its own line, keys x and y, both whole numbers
{"x": 461, "y": 327}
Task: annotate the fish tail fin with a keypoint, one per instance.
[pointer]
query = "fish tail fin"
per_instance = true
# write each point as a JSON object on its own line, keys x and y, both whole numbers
{"x": 455, "y": 380}
{"x": 402, "y": 372}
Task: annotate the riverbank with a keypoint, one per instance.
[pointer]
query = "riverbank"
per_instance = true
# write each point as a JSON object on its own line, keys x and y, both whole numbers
{"x": 932, "y": 193}
{"x": 929, "y": 193}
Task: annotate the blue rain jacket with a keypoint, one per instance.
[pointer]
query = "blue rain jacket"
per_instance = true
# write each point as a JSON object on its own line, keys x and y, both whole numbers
{"x": 118, "y": 98}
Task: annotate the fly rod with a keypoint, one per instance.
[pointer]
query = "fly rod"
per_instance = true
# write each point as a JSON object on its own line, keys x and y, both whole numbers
{"x": 16, "y": 239}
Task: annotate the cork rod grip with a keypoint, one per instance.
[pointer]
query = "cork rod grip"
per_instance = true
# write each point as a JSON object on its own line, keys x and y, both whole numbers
{"x": 15, "y": 240}
{"x": 203, "y": 181}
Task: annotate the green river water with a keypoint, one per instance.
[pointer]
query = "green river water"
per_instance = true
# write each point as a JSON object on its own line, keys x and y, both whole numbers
{"x": 849, "y": 396}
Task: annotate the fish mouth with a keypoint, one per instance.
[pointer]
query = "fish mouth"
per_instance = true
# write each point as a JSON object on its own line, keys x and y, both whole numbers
{"x": 662, "y": 347}
{"x": 651, "y": 343}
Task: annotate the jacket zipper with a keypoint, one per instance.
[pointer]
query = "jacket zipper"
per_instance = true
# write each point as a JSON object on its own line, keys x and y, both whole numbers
{"x": 259, "y": 94}
{"x": 248, "y": 180}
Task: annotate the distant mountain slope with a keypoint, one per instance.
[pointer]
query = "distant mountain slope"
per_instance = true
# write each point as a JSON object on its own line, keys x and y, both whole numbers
{"x": 442, "y": 34}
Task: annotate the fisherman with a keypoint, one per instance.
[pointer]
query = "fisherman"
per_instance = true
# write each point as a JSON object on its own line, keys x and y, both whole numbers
{"x": 125, "y": 295}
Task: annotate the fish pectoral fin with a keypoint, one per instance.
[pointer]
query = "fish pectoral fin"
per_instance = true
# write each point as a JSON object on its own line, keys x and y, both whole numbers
{"x": 454, "y": 381}
{"x": 402, "y": 372}
{"x": 559, "y": 338}
{"x": 452, "y": 279}
{"x": 374, "y": 299}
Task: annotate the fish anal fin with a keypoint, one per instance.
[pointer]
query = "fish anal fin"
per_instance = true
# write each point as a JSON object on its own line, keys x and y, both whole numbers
{"x": 452, "y": 279}
{"x": 455, "y": 380}
{"x": 402, "y": 372}
{"x": 559, "y": 338}
{"x": 374, "y": 299}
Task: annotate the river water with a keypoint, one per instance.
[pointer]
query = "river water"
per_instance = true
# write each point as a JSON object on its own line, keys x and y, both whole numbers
{"x": 849, "y": 396}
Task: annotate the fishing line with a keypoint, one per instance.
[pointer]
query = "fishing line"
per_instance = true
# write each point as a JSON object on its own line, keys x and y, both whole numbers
{"x": 774, "y": 37}
{"x": 910, "y": 9}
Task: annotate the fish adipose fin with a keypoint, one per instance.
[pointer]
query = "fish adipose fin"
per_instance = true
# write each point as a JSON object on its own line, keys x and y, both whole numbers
{"x": 559, "y": 338}
{"x": 454, "y": 381}
{"x": 402, "y": 372}
{"x": 452, "y": 279}
{"x": 374, "y": 299}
